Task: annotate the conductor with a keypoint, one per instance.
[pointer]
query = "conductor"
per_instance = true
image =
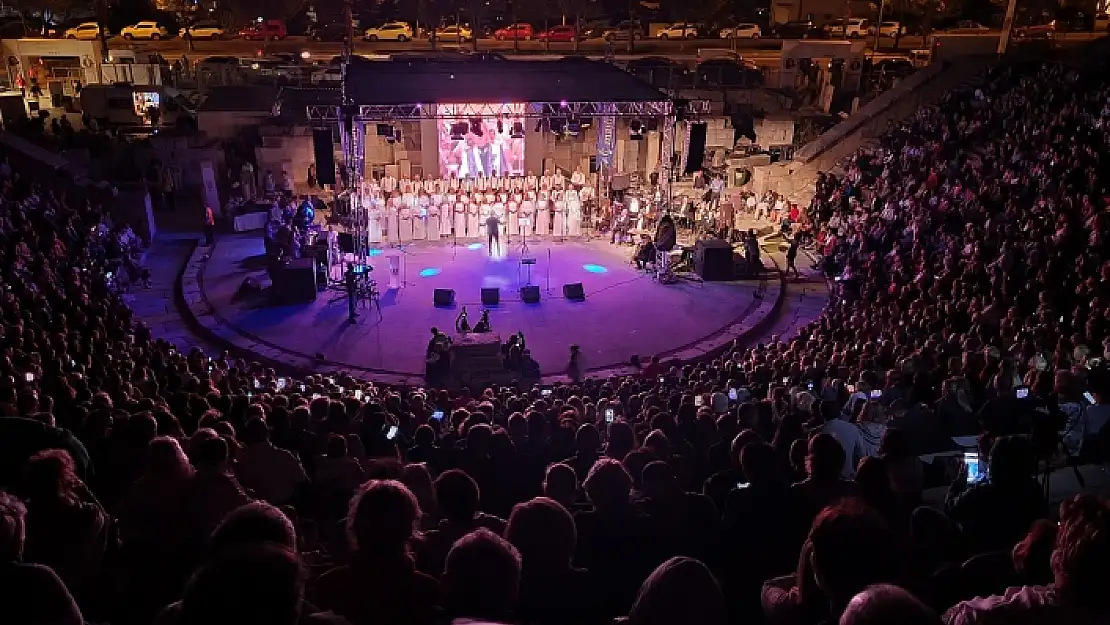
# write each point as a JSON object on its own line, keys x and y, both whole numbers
{"x": 493, "y": 225}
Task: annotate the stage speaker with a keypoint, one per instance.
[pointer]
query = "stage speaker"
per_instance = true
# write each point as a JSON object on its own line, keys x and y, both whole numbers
{"x": 325, "y": 155}
{"x": 620, "y": 182}
{"x": 695, "y": 155}
{"x": 443, "y": 297}
{"x": 574, "y": 292}
{"x": 491, "y": 297}
{"x": 713, "y": 260}
{"x": 298, "y": 281}
{"x": 530, "y": 294}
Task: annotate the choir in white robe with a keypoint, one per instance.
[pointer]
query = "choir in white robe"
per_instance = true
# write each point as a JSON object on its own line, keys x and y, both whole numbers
{"x": 460, "y": 219}
{"x": 393, "y": 221}
{"x": 374, "y": 223}
{"x": 514, "y": 216}
{"x": 543, "y": 215}
{"x": 431, "y": 231}
{"x": 405, "y": 233}
{"x": 445, "y": 223}
{"x": 527, "y": 217}
{"x": 574, "y": 214}
{"x": 473, "y": 222}
{"x": 420, "y": 219}
{"x": 560, "y": 216}
{"x": 499, "y": 212}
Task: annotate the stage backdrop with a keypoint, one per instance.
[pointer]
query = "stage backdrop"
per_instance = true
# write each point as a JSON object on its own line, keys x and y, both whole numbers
{"x": 492, "y": 151}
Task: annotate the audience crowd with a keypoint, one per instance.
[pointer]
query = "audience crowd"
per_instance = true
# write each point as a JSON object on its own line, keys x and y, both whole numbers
{"x": 782, "y": 484}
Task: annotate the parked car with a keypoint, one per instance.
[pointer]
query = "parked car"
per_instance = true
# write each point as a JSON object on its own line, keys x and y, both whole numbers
{"x": 742, "y": 31}
{"x": 800, "y": 29}
{"x": 678, "y": 30}
{"x": 331, "y": 31}
{"x": 390, "y": 31}
{"x": 728, "y": 73}
{"x": 457, "y": 33}
{"x": 623, "y": 30}
{"x": 521, "y": 31}
{"x": 890, "y": 29}
{"x": 205, "y": 30}
{"x": 268, "y": 30}
{"x": 85, "y": 32}
{"x": 967, "y": 27}
{"x": 145, "y": 30}
{"x": 558, "y": 33}
{"x": 854, "y": 28}
{"x": 1036, "y": 31}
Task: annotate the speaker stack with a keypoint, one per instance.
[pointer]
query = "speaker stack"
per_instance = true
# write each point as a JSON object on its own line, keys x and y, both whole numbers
{"x": 324, "y": 151}
{"x": 296, "y": 282}
{"x": 443, "y": 297}
{"x": 713, "y": 260}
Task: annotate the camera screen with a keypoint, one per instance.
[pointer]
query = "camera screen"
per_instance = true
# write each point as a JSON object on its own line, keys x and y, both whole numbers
{"x": 437, "y": 415}
{"x": 733, "y": 394}
{"x": 546, "y": 392}
{"x": 875, "y": 394}
{"x": 392, "y": 433}
{"x": 1021, "y": 392}
{"x": 974, "y": 469}
{"x": 609, "y": 415}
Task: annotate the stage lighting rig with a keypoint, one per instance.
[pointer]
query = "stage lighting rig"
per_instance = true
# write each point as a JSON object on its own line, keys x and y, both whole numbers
{"x": 635, "y": 130}
{"x": 518, "y": 130}
{"x": 476, "y": 126}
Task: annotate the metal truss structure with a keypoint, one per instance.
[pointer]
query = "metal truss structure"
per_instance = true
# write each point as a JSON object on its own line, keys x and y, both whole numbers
{"x": 534, "y": 110}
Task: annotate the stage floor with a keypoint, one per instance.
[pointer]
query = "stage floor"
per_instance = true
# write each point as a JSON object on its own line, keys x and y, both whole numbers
{"x": 625, "y": 312}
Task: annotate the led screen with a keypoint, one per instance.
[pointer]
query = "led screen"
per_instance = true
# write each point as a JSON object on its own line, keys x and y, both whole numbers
{"x": 472, "y": 146}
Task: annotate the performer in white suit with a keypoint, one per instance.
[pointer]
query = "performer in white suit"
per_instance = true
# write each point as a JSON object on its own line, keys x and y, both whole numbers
{"x": 543, "y": 213}
{"x": 499, "y": 212}
{"x": 574, "y": 214}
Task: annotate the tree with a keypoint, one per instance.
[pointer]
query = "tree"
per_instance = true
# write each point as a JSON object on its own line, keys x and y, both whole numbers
{"x": 575, "y": 9}
{"x": 50, "y": 10}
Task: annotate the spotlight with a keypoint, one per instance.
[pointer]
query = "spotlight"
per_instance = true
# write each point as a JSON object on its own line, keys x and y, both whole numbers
{"x": 558, "y": 126}
{"x": 395, "y": 137}
{"x": 476, "y": 126}
{"x": 518, "y": 130}
{"x": 458, "y": 131}
{"x": 635, "y": 130}
{"x": 574, "y": 127}
{"x": 586, "y": 122}
{"x": 500, "y": 127}
{"x": 385, "y": 130}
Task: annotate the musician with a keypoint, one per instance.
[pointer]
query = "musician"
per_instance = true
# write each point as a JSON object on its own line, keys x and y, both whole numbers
{"x": 621, "y": 222}
{"x": 645, "y": 252}
{"x": 666, "y": 237}
{"x": 351, "y": 279}
{"x": 483, "y": 324}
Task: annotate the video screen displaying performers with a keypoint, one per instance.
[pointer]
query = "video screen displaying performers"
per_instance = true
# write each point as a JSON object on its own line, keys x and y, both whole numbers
{"x": 470, "y": 147}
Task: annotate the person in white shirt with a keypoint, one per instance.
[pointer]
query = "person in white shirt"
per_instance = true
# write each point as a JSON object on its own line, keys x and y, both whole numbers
{"x": 273, "y": 474}
{"x": 859, "y": 439}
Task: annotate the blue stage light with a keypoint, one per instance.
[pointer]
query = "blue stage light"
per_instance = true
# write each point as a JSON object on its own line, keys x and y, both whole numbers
{"x": 374, "y": 252}
{"x": 475, "y": 246}
{"x": 428, "y": 272}
{"x": 595, "y": 268}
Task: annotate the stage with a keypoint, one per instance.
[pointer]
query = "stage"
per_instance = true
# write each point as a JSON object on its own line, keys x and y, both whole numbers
{"x": 625, "y": 311}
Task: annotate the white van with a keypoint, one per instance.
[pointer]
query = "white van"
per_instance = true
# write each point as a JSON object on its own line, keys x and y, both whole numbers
{"x": 856, "y": 27}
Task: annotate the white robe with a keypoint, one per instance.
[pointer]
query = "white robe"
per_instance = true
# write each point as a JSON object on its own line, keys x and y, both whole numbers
{"x": 404, "y": 235}
{"x": 389, "y": 184}
{"x": 446, "y": 218}
{"x": 499, "y": 212}
{"x": 431, "y": 227}
{"x": 574, "y": 214}
{"x": 374, "y": 225}
{"x": 543, "y": 215}
{"x": 514, "y": 215}
{"x": 560, "y": 229}
{"x": 473, "y": 223}
{"x": 527, "y": 217}
{"x": 392, "y": 221}
{"x": 420, "y": 219}
{"x": 460, "y": 219}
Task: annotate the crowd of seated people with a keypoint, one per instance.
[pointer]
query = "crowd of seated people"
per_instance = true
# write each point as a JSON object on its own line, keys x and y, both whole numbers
{"x": 780, "y": 484}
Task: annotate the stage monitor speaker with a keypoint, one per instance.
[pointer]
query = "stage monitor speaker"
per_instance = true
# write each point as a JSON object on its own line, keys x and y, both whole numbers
{"x": 491, "y": 297}
{"x": 695, "y": 155}
{"x": 298, "y": 281}
{"x": 713, "y": 260}
{"x": 530, "y": 294}
{"x": 574, "y": 292}
{"x": 324, "y": 151}
{"x": 443, "y": 297}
